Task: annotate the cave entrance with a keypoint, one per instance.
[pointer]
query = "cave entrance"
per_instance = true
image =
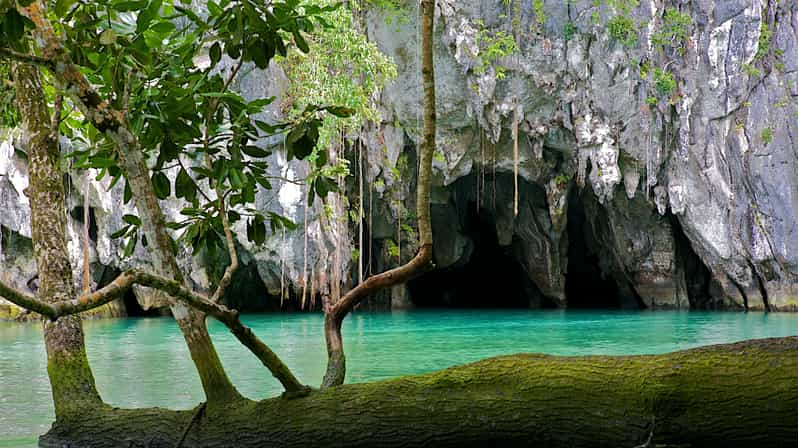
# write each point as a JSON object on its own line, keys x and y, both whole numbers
{"x": 490, "y": 278}
{"x": 586, "y": 286}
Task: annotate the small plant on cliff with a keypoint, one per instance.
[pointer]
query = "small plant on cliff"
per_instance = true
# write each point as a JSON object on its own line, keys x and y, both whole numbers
{"x": 765, "y": 36}
{"x": 623, "y": 29}
{"x": 8, "y": 111}
{"x": 540, "y": 13}
{"x": 675, "y": 31}
{"x": 664, "y": 82}
{"x": 767, "y": 135}
{"x": 751, "y": 71}
{"x": 569, "y": 30}
{"x": 623, "y": 6}
{"x": 493, "y": 46}
{"x": 395, "y": 12}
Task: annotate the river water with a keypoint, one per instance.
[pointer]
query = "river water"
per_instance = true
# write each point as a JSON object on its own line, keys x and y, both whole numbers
{"x": 144, "y": 362}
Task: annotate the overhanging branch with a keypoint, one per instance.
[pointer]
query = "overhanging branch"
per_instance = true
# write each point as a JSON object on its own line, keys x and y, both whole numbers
{"x": 6, "y": 53}
{"x": 127, "y": 279}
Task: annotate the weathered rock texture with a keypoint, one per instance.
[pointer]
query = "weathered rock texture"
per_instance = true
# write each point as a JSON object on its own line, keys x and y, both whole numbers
{"x": 688, "y": 203}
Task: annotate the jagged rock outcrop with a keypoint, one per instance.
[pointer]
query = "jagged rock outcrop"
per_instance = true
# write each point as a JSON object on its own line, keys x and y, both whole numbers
{"x": 680, "y": 144}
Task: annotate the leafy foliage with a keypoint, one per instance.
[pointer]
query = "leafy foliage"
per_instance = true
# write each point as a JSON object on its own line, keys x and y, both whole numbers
{"x": 170, "y": 69}
{"x": 675, "y": 31}
{"x": 493, "y": 46}
{"x": 623, "y": 29}
{"x": 8, "y": 111}
{"x": 345, "y": 69}
{"x": 664, "y": 82}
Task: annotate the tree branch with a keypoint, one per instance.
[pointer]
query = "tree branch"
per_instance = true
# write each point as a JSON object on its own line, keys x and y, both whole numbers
{"x": 334, "y": 316}
{"x": 26, "y": 301}
{"x": 231, "y": 251}
{"x": 6, "y": 53}
{"x": 127, "y": 279}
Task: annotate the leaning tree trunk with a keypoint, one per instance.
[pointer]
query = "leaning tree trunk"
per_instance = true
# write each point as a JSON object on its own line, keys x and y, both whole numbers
{"x": 112, "y": 123}
{"x": 215, "y": 382}
{"x": 334, "y": 315}
{"x": 736, "y": 395}
{"x": 67, "y": 365}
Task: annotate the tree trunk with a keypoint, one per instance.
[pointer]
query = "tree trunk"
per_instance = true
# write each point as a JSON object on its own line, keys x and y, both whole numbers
{"x": 740, "y": 395}
{"x": 70, "y": 376}
{"x": 111, "y": 122}
{"x": 335, "y": 314}
{"x": 215, "y": 382}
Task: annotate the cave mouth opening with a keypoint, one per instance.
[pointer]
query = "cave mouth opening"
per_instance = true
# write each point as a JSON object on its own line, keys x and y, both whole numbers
{"x": 586, "y": 286}
{"x": 77, "y": 215}
{"x": 490, "y": 278}
{"x": 134, "y": 309}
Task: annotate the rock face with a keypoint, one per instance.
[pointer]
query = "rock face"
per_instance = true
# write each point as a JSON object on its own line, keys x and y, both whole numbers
{"x": 671, "y": 196}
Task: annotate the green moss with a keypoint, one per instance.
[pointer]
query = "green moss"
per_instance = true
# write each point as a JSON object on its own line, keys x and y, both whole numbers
{"x": 9, "y": 312}
{"x": 72, "y": 382}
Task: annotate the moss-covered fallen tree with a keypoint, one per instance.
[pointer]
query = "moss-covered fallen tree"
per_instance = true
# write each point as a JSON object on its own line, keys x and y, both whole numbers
{"x": 736, "y": 395}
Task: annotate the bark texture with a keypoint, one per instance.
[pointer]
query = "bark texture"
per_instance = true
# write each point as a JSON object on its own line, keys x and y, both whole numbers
{"x": 741, "y": 395}
{"x": 335, "y": 314}
{"x": 67, "y": 365}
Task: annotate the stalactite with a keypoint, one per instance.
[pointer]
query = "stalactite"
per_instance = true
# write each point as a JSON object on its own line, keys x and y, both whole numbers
{"x": 360, "y": 211}
{"x": 515, "y": 161}
{"x": 305, "y": 261}
{"x": 484, "y": 165}
{"x": 399, "y": 229}
{"x": 371, "y": 227}
{"x": 495, "y": 161}
{"x": 86, "y": 246}
{"x": 282, "y": 269}
{"x": 477, "y": 173}
{"x": 312, "y": 286}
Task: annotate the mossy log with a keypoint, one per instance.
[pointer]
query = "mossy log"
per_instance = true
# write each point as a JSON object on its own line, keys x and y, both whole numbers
{"x": 736, "y": 395}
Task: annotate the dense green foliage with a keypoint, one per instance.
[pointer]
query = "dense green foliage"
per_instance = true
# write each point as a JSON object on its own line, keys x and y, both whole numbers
{"x": 345, "y": 69}
{"x": 170, "y": 68}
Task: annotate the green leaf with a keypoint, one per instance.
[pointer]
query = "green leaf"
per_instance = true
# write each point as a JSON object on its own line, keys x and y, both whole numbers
{"x": 163, "y": 27}
{"x": 108, "y": 37}
{"x": 133, "y": 220}
{"x": 341, "y": 112}
{"x": 13, "y": 25}
{"x": 128, "y": 195}
{"x": 62, "y": 7}
{"x": 301, "y": 43}
{"x": 121, "y": 232}
{"x": 256, "y": 231}
{"x": 133, "y": 5}
{"x": 161, "y": 185}
{"x": 130, "y": 246}
{"x": 215, "y": 53}
{"x": 324, "y": 186}
{"x": 254, "y": 151}
{"x": 184, "y": 186}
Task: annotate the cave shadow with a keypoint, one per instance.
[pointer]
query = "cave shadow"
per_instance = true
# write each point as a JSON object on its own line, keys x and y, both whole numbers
{"x": 586, "y": 285}
{"x": 490, "y": 278}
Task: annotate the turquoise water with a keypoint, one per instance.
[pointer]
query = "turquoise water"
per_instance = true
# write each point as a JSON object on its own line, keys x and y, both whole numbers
{"x": 144, "y": 362}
